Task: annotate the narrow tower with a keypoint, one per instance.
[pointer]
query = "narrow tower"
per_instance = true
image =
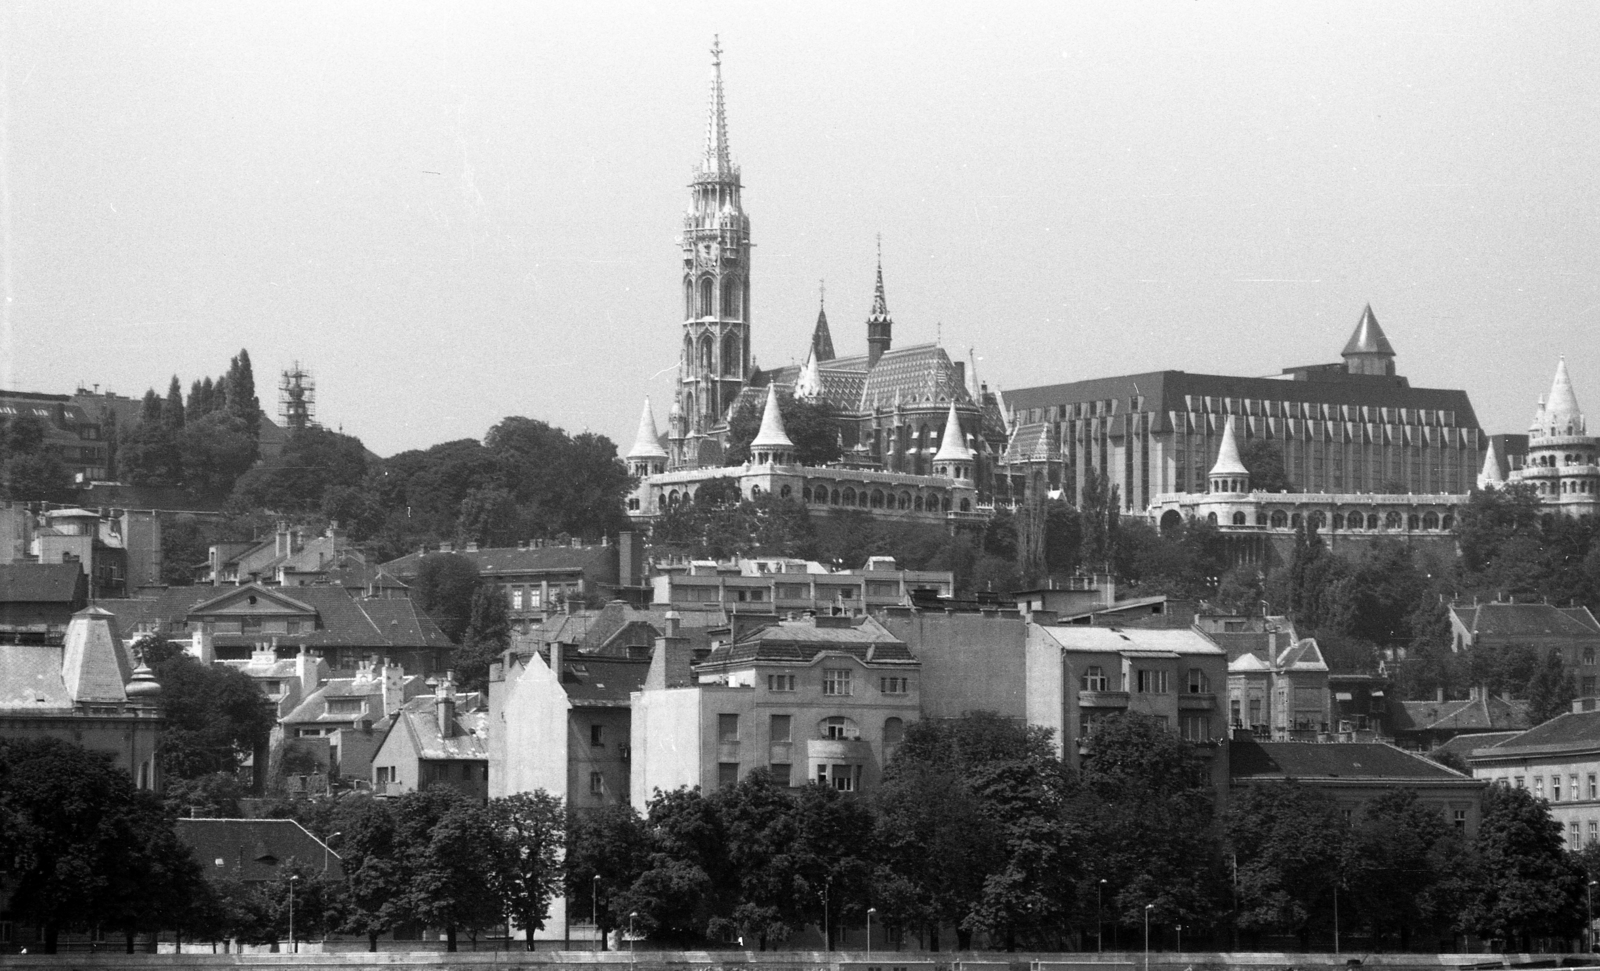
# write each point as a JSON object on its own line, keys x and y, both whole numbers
{"x": 297, "y": 399}
{"x": 715, "y": 361}
{"x": 880, "y": 326}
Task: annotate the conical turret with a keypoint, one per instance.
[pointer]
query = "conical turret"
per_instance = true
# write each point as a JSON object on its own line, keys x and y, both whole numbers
{"x": 1229, "y": 474}
{"x": 954, "y": 458}
{"x": 1490, "y": 477}
{"x": 647, "y": 457}
{"x": 1368, "y": 351}
{"x": 772, "y": 446}
{"x": 1561, "y": 414}
{"x": 808, "y": 385}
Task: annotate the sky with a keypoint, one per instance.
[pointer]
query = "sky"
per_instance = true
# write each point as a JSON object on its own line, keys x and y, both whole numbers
{"x": 454, "y": 212}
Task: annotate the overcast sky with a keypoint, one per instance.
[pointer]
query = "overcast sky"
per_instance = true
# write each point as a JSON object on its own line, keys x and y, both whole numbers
{"x": 452, "y": 213}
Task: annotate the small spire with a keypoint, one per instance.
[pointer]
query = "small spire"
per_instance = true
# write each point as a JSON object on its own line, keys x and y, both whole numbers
{"x": 1228, "y": 461}
{"x": 809, "y": 383}
{"x": 717, "y": 161}
{"x": 1491, "y": 476}
{"x": 1561, "y": 411}
{"x": 880, "y": 306}
{"x": 953, "y": 447}
{"x": 821, "y": 337}
{"x": 647, "y": 443}
{"x": 772, "y": 436}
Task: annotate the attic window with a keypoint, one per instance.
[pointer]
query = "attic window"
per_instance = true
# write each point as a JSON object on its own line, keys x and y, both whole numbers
{"x": 251, "y": 599}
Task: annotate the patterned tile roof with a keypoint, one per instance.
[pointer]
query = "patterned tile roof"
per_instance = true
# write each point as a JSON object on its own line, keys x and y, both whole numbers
{"x": 1031, "y": 442}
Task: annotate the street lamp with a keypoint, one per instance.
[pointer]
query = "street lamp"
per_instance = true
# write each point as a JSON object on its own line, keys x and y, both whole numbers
{"x": 330, "y": 839}
{"x": 594, "y": 908}
{"x": 870, "y": 912}
{"x": 1099, "y": 922}
{"x": 827, "y": 936}
{"x": 1588, "y": 932}
{"x": 1147, "y": 936}
{"x": 631, "y": 934}
{"x": 1180, "y": 938}
{"x": 294, "y": 946}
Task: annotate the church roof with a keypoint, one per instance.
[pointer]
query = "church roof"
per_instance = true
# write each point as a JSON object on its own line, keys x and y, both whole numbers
{"x": 1368, "y": 337}
{"x": 821, "y": 339}
{"x": 880, "y": 305}
{"x": 772, "y": 433}
{"x": 1030, "y": 442}
{"x": 1228, "y": 460}
{"x": 954, "y": 446}
{"x": 918, "y": 374}
{"x": 647, "y": 443}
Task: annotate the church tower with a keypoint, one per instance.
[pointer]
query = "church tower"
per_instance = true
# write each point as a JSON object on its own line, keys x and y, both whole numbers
{"x": 880, "y": 326}
{"x": 715, "y": 361}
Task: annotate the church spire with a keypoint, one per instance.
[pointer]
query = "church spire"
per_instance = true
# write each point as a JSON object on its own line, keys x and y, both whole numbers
{"x": 880, "y": 326}
{"x": 717, "y": 161}
{"x": 821, "y": 338}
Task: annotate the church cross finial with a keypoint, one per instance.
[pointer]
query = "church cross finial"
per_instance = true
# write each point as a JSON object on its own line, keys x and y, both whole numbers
{"x": 717, "y": 157}
{"x": 822, "y": 292}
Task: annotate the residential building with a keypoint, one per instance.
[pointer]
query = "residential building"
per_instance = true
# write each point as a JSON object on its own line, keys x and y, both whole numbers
{"x": 233, "y": 622}
{"x": 823, "y": 699}
{"x": 286, "y": 681}
{"x": 118, "y": 549}
{"x": 69, "y": 431}
{"x": 1563, "y": 460}
{"x": 436, "y": 739}
{"x": 1351, "y": 429}
{"x": 778, "y": 585}
{"x": 1572, "y": 632}
{"x": 1281, "y": 694}
{"x": 1354, "y": 773}
{"x": 1559, "y": 762}
{"x": 971, "y": 657}
{"x": 37, "y": 600}
{"x": 1078, "y": 675}
{"x": 86, "y": 690}
{"x": 1425, "y": 725}
{"x": 335, "y": 732}
{"x": 540, "y": 578}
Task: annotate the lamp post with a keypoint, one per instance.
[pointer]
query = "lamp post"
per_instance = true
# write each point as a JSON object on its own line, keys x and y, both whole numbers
{"x": 330, "y": 839}
{"x": 1180, "y": 938}
{"x": 1099, "y": 921}
{"x": 1588, "y": 932}
{"x": 870, "y": 912}
{"x": 294, "y": 945}
{"x": 594, "y": 909}
{"x": 1147, "y": 936}
{"x": 631, "y": 934}
{"x": 827, "y": 936}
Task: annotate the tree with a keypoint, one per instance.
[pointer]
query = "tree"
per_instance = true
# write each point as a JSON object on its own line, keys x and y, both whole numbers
{"x": 172, "y": 408}
{"x": 30, "y": 469}
{"x": 313, "y": 462}
{"x": 1288, "y": 846}
{"x": 214, "y": 796}
{"x": 1063, "y": 537}
{"x": 1100, "y": 507}
{"x": 240, "y": 395}
{"x": 687, "y": 884}
{"x": 443, "y": 590}
{"x": 215, "y": 450}
{"x": 375, "y": 867}
{"x": 812, "y": 427}
{"x": 1264, "y": 461}
{"x": 216, "y": 717}
{"x": 452, "y": 854}
{"x": 1492, "y": 518}
{"x": 1551, "y": 690}
{"x": 85, "y": 845}
{"x": 531, "y": 827}
{"x": 1528, "y": 886}
{"x": 607, "y": 850}
{"x": 1409, "y": 863}
{"x": 488, "y": 634}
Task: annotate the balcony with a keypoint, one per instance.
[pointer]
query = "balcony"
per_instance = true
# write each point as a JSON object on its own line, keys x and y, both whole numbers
{"x": 838, "y": 750}
{"x": 1187, "y": 702}
{"x": 1102, "y": 699}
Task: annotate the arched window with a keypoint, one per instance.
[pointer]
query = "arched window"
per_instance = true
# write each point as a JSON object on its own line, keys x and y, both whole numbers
{"x": 916, "y": 504}
{"x": 1447, "y": 521}
{"x": 755, "y": 491}
{"x": 661, "y": 501}
{"x": 861, "y": 499}
{"x": 1238, "y": 519}
{"x": 877, "y": 498}
{"x": 849, "y": 496}
{"x": 945, "y": 503}
{"x": 705, "y": 297}
{"x": 905, "y": 500}
{"x": 1372, "y": 521}
{"x": 1413, "y": 522}
{"x": 1319, "y": 520}
{"x": 1171, "y": 520}
{"x": 785, "y": 492}
{"x": 1295, "y": 521}
{"x": 1430, "y": 521}
{"x": 833, "y": 498}
{"x": 730, "y": 353}
{"x": 1280, "y": 519}
{"x": 966, "y": 505}
{"x": 1391, "y": 521}
{"x": 805, "y": 495}
{"x": 705, "y": 353}
{"x": 688, "y": 299}
{"x": 838, "y": 727}
{"x": 1211, "y": 518}
{"x": 674, "y": 498}
{"x": 730, "y": 299}
{"x": 1338, "y": 520}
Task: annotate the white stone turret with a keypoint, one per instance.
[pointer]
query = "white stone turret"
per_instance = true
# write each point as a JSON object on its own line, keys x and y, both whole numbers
{"x": 808, "y": 386}
{"x": 1490, "y": 477}
{"x": 1229, "y": 474}
{"x": 954, "y": 458}
{"x": 647, "y": 457}
{"x": 771, "y": 445}
{"x": 1559, "y": 413}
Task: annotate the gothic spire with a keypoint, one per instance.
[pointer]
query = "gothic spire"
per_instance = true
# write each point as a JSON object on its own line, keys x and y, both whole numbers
{"x": 880, "y": 326}
{"x": 821, "y": 339}
{"x": 880, "y": 306}
{"x": 717, "y": 161}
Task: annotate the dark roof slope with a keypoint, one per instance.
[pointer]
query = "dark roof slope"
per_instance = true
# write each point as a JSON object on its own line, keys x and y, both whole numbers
{"x": 592, "y": 681}
{"x": 254, "y": 849}
{"x": 598, "y": 560}
{"x": 799, "y": 641}
{"x": 1249, "y": 759}
{"x": 1575, "y": 729}
{"x": 39, "y": 582}
{"x": 1465, "y": 745}
{"x": 343, "y": 620}
{"x": 1514, "y": 620}
{"x": 1468, "y": 715}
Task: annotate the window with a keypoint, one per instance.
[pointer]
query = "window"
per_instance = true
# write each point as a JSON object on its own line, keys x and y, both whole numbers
{"x": 836, "y": 681}
{"x": 1196, "y": 728}
{"x": 1594, "y": 831}
{"x": 1519, "y": 783}
{"x": 839, "y": 727}
{"x": 727, "y": 774}
{"x": 1234, "y": 713}
{"x": 1588, "y": 686}
{"x": 1152, "y": 682}
{"x": 516, "y": 598}
{"x": 779, "y": 728}
{"x": 533, "y": 599}
{"x": 894, "y": 686}
{"x": 1588, "y": 656}
{"x": 727, "y": 728}
{"x": 1594, "y": 787}
{"x": 1572, "y": 834}
{"x": 597, "y": 736}
{"x": 844, "y": 777}
{"x": 292, "y": 627}
{"x": 1461, "y": 819}
{"x": 1199, "y": 684}
{"x": 1538, "y": 786}
{"x": 247, "y": 624}
{"x": 1555, "y": 788}
{"x": 780, "y": 682}
{"x": 1572, "y": 787}
{"x": 1094, "y": 678}
{"x": 597, "y": 784}
{"x": 781, "y": 773}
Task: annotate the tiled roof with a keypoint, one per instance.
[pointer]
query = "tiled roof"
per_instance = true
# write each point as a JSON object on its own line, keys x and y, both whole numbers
{"x": 314, "y": 709}
{"x": 94, "y": 664}
{"x": 1031, "y": 442}
{"x": 597, "y": 560}
{"x": 1472, "y": 714}
{"x": 1250, "y": 759}
{"x": 1573, "y": 730}
{"x": 1164, "y": 392}
{"x": 1240, "y": 643}
{"x": 1130, "y": 639}
{"x": 801, "y": 641}
{"x": 420, "y": 718}
{"x": 917, "y": 373}
{"x": 343, "y": 620}
{"x": 39, "y": 582}
{"x": 1303, "y": 656}
{"x": 1465, "y": 744}
{"x": 1582, "y": 616}
{"x": 30, "y": 678}
{"x": 254, "y": 850}
{"x": 590, "y": 680}
{"x": 1513, "y": 620}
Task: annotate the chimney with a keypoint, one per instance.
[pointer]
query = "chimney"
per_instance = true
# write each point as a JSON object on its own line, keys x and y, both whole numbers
{"x": 669, "y": 665}
{"x": 472, "y": 546}
{"x": 557, "y": 656}
{"x": 305, "y": 671}
{"x": 630, "y": 558}
{"x": 281, "y": 546}
{"x": 394, "y": 678}
{"x": 1438, "y": 694}
{"x": 444, "y": 704}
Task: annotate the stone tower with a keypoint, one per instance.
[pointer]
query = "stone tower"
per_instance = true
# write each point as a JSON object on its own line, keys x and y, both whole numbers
{"x": 715, "y": 361}
{"x": 880, "y": 326}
